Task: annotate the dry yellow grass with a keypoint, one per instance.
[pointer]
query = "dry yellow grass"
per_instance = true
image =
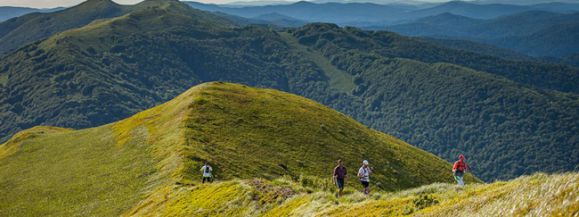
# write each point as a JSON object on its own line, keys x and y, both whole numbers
{"x": 536, "y": 195}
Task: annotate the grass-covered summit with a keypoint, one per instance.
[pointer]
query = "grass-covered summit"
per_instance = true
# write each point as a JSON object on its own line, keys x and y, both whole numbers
{"x": 244, "y": 132}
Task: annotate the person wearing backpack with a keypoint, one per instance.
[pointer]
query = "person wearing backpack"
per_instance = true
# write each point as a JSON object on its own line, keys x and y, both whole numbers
{"x": 364, "y": 175}
{"x": 207, "y": 173}
{"x": 458, "y": 170}
{"x": 339, "y": 177}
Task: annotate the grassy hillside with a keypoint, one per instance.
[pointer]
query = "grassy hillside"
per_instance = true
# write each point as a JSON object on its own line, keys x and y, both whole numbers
{"x": 537, "y": 195}
{"x": 446, "y": 101}
{"x": 244, "y": 132}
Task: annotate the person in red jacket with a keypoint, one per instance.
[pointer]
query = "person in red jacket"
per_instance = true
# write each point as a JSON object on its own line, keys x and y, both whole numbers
{"x": 459, "y": 168}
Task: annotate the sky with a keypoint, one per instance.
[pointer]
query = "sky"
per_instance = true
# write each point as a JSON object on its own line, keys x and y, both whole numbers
{"x": 68, "y": 3}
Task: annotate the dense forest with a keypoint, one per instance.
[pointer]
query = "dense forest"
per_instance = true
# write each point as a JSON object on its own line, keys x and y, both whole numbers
{"x": 509, "y": 117}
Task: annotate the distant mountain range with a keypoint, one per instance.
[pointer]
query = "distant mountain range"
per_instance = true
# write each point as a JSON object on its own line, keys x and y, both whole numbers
{"x": 535, "y": 33}
{"x": 369, "y": 14}
{"x": 523, "y": 2}
{"x": 340, "y": 13}
{"x": 446, "y": 101}
{"x": 544, "y": 29}
{"x": 279, "y": 20}
{"x": 7, "y": 12}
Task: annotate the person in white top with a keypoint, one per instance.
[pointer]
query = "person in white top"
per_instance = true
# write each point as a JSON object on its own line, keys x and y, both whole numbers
{"x": 364, "y": 175}
{"x": 207, "y": 173}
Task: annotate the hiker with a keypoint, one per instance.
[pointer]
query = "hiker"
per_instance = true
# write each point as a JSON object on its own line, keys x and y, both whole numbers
{"x": 364, "y": 174}
{"x": 459, "y": 168}
{"x": 339, "y": 177}
{"x": 207, "y": 175}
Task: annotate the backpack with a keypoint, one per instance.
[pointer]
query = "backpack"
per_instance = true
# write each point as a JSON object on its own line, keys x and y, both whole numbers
{"x": 207, "y": 169}
{"x": 365, "y": 173}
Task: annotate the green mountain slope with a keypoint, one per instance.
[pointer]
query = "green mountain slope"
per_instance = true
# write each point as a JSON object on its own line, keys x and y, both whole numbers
{"x": 244, "y": 132}
{"x": 443, "y": 100}
{"x": 20, "y": 31}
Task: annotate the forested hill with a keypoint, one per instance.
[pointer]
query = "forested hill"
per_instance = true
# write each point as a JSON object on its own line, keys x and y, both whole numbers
{"x": 497, "y": 112}
{"x": 20, "y": 31}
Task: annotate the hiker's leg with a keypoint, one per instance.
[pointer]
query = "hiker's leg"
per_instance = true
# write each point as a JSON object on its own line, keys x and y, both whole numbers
{"x": 339, "y": 191}
{"x": 460, "y": 181}
{"x": 340, "y": 186}
{"x": 366, "y": 187}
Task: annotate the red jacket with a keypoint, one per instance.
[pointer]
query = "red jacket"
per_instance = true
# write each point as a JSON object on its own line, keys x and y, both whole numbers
{"x": 460, "y": 166}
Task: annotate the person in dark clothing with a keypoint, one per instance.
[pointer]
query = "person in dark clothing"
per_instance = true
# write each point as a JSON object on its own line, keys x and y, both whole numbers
{"x": 339, "y": 177}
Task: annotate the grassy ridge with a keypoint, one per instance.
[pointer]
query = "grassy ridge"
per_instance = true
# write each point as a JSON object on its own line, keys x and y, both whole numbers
{"x": 247, "y": 132}
{"x": 536, "y": 195}
{"x": 244, "y": 132}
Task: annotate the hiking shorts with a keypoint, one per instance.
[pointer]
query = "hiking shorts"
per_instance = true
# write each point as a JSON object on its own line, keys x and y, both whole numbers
{"x": 340, "y": 183}
{"x": 365, "y": 183}
{"x": 208, "y": 179}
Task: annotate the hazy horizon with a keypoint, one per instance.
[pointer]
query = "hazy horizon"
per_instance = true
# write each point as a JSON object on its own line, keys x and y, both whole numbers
{"x": 69, "y": 3}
